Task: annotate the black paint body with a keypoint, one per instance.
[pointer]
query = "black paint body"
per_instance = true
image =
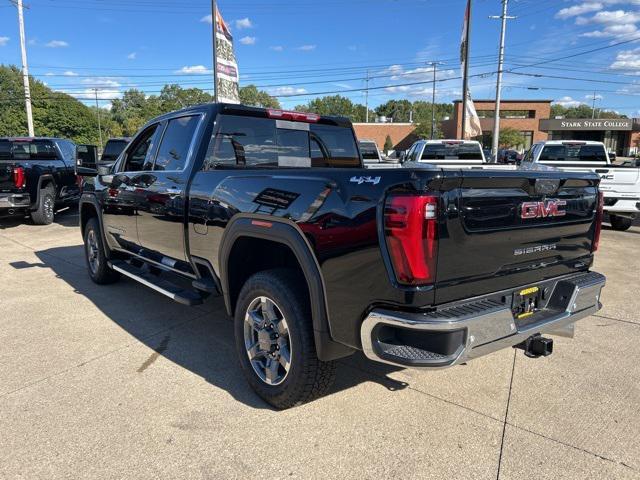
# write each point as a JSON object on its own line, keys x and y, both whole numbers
{"x": 479, "y": 225}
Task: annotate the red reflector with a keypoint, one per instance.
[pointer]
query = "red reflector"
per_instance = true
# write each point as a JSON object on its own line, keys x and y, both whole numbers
{"x": 411, "y": 231}
{"x": 599, "y": 215}
{"x": 293, "y": 116}
{"x": 259, "y": 223}
{"x": 19, "y": 178}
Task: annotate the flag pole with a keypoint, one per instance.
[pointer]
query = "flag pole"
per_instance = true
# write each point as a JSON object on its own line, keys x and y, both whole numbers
{"x": 465, "y": 73}
{"x": 214, "y": 17}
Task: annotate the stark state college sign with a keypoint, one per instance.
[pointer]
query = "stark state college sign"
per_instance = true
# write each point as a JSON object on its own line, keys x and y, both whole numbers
{"x": 586, "y": 124}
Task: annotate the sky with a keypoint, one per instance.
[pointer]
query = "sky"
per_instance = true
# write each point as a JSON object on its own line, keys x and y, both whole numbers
{"x": 564, "y": 50}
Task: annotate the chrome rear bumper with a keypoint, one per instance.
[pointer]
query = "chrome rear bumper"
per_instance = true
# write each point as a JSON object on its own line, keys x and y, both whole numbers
{"x": 458, "y": 332}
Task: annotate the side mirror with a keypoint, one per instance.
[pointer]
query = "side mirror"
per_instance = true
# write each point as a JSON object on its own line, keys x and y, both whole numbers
{"x": 103, "y": 170}
{"x": 86, "y": 160}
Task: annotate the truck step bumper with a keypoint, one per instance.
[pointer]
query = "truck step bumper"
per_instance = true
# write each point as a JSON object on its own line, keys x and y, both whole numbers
{"x": 459, "y": 332}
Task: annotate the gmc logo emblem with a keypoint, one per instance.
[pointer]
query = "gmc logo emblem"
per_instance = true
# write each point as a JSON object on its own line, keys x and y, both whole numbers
{"x": 550, "y": 208}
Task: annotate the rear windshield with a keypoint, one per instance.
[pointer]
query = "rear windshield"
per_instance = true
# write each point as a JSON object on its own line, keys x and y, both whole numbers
{"x": 113, "y": 149}
{"x": 369, "y": 151}
{"x": 27, "y": 150}
{"x": 263, "y": 142}
{"x": 578, "y": 153}
{"x": 452, "y": 151}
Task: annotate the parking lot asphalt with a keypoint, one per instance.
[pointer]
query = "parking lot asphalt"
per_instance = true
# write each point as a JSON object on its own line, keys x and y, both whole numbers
{"x": 120, "y": 382}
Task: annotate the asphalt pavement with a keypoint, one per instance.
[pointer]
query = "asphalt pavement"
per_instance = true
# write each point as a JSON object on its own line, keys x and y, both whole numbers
{"x": 120, "y": 382}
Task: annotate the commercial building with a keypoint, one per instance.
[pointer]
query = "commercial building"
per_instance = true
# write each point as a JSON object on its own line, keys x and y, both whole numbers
{"x": 402, "y": 134}
{"x": 521, "y": 115}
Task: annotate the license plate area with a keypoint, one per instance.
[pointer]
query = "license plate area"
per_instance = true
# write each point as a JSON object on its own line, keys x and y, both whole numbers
{"x": 526, "y": 302}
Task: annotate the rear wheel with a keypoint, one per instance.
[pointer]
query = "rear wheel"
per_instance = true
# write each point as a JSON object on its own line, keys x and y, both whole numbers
{"x": 45, "y": 212}
{"x": 99, "y": 270}
{"x": 620, "y": 223}
{"x": 275, "y": 342}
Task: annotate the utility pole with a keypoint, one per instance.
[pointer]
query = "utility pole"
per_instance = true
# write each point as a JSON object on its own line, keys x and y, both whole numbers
{"x": 366, "y": 100}
{"x": 593, "y": 106}
{"x": 214, "y": 29}
{"x": 25, "y": 69}
{"x": 433, "y": 100}
{"x": 95, "y": 90}
{"x": 496, "y": 121}
{"x": 465, "y": 65}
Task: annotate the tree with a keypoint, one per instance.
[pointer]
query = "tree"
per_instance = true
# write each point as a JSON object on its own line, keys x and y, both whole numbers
{"x": 388, "y": 144}
{"x": 509, "y": 138}
{"x": 250, "y": 95}
{"x": 396, "y": 109}
{"x": 335, "y": 105}
{"x": 581, "y": 111}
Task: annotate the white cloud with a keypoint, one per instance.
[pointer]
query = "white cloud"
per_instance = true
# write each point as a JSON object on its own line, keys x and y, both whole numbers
{"x": 277, "y": 48}
{"x": 579, "y": 9}
{"x": 207, "y": 19}
{"x": 627, "y": 60}
{"x": 285, "y": 91}
{"x": 306, "y": 48}
{"x": 194, "y": 70}
{"x": 4, "y": 41}
{"x": 614, "y": 17}
{"x": 567, "y": 102}
{"x": 107, "y": 89}
{"x": 248, "y": 40}
{"x": 70, "y": 73}
{"x": 243, "y": 23}
{"x": 56, "y": 44}
{"x": 612, "y": 31}
{"x": 343, "y": 85}
{"x": 132, "y": 56}
{"x": 591, "y": 97}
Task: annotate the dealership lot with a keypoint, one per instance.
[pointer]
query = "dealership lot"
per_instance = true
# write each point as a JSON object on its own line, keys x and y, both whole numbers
{"x": 90, "y": 390}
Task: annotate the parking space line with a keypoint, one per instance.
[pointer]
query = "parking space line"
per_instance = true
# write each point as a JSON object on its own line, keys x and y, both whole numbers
{"x": 506, "y": 413}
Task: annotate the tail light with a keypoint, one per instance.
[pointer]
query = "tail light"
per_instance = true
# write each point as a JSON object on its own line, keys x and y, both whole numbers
{"x": 19, "y": 178}
{"x": 410, "y": 225}
{"x": 293, "y": 116}
{"x": 599, "y": 215}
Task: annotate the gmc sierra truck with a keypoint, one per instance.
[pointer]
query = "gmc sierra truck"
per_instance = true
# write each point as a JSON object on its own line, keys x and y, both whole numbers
{"x": 620, "y": 184}
{"x": 317, "y": 257}
{"x": 36, "y": 176}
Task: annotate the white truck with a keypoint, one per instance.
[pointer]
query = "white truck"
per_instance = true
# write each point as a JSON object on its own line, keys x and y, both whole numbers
{"x": 619, "y": 183}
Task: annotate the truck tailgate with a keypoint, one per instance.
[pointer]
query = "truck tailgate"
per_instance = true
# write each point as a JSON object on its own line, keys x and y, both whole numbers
{"x": 505, "y": 229}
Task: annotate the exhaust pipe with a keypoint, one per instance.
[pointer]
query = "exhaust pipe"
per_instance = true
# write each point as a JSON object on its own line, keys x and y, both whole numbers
{"x": 536, "y": 346}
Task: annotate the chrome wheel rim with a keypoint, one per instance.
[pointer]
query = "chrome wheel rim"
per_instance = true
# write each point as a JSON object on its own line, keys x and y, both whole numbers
{"x": 92, "y": 251}
{"x": 48, "y": 207}
{"x": 267, "y": 341}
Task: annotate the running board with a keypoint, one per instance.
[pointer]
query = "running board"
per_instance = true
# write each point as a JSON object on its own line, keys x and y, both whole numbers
{"x": 185, "y": 297}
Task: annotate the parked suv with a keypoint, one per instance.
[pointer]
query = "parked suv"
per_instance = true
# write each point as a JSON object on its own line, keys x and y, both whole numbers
{"x": 317, "y": 257}
{"x": 36, "y": 176}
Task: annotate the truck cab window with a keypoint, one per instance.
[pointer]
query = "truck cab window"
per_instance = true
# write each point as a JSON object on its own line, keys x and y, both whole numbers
{"x": 174, "y": 147}
{"x": 138, "y": 154}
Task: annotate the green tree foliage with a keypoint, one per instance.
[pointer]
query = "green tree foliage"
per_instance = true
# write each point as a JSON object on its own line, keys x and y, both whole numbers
{"x": 509, "y": 137}
{"x": 54, "y": 113}
{"x": 582, "y": 111}
{"x": 388, "y": 144}
{"x": 250, "y": 95}
{"x": 336, "y": 105}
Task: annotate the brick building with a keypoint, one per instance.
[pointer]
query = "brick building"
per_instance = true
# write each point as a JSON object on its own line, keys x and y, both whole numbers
{"x": 402, "y": 134}
{"x": 521, "y": 115}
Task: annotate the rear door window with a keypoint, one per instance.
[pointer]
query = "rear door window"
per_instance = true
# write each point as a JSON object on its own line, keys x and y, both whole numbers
{"x": 573, "y": 153}
{"x": 452, "y": 151}
{"x": 175, "y": 144}
{"x": 34, "y": 150}
{"x": 261, "y": 142}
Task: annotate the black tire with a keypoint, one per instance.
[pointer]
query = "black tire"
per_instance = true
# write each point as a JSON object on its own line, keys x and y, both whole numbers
{"x": 307, "y": 377}
{"x": 620, "y": 223}
{"x": 94, "y": 256}
{"x": 45, "y": 212}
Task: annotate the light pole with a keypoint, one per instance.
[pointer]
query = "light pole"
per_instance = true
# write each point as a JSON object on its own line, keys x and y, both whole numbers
{"x": 593, "y": 105}
{"x": 25, "y": 69}
{"x": 496, "y": 121}
{"x": 433, "y": 100}
{"x": 214, "y": 22}
{"x": 95, "y": 90}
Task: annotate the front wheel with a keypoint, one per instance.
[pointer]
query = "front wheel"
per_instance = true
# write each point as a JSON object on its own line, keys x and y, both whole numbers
{"x": 620, "y": 223}
{"x": 275, "y": 342}
{"x": 99, "y": 269}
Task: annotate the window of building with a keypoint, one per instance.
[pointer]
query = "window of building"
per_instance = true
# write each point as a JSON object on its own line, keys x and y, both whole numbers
{"x": 509, "y": 114}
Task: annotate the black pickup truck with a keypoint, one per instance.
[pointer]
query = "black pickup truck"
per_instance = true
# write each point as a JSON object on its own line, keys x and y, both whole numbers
{"x": 36, "y": 175}
{"x": 317, "y": 257}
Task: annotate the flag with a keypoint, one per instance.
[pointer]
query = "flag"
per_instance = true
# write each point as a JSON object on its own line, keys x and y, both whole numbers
{"x": 472, "y": 128}
{"x": 463, "y": 41}
{"x": 226, "y": 66}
